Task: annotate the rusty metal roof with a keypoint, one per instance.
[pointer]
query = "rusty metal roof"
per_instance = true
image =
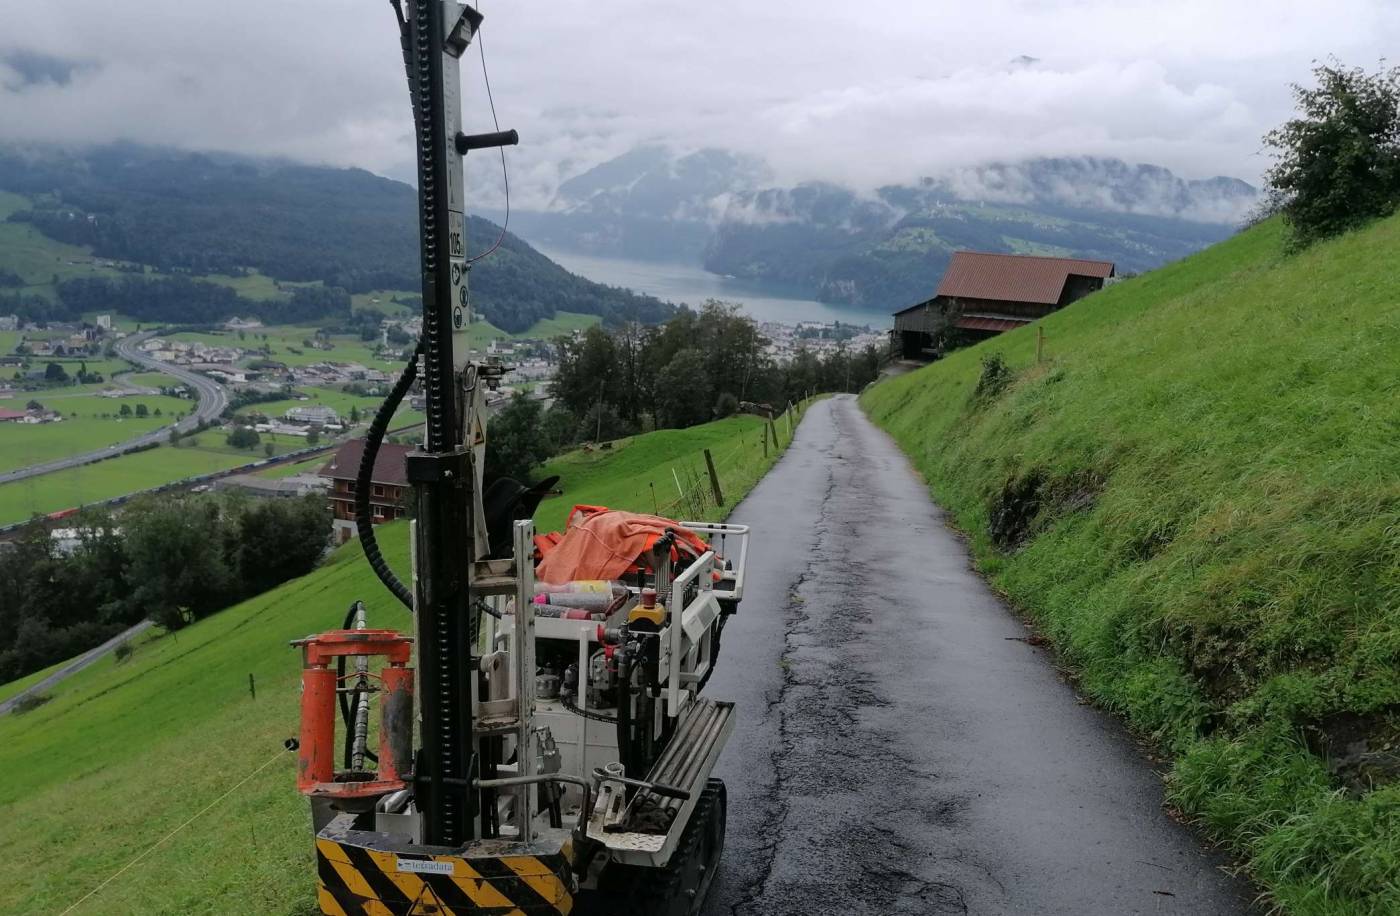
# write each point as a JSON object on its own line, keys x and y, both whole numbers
{"x": 989, "y": 323}
{"x": 1014, "y": 277}
{"x": 388, "y": 464}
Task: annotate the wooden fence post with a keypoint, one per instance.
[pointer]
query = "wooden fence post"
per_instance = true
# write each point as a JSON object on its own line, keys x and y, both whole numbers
{"x": 1039, "y": 344}
{"x": 252, "y": 688}
{"x": 714, "y": 478}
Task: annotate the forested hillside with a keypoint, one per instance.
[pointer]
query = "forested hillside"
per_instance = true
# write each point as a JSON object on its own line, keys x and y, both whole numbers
{"x": 189, "y": 215}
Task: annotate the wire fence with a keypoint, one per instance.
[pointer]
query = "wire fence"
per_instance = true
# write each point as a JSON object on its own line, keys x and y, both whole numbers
{"x": 710, "y": 483}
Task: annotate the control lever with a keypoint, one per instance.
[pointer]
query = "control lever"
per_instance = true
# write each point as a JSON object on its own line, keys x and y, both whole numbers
{"x": 467, "y": 142}
{"x": 601, "y": 776}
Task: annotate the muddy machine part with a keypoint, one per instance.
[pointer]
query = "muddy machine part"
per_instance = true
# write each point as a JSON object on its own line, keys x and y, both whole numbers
{"x": 560, "y": 764}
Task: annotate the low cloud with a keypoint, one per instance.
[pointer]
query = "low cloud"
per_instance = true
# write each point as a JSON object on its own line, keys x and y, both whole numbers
{"x": 863, "y": 95}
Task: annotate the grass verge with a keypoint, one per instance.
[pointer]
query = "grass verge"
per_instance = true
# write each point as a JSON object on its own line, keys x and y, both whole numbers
{"x": 1195, "y": 497}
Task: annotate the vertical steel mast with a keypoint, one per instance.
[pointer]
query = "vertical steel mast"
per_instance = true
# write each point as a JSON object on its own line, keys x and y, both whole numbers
{"x": 438, "y": 32}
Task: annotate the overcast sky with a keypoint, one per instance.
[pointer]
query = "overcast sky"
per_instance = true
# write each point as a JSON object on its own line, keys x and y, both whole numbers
{"x": 865, "y": 93}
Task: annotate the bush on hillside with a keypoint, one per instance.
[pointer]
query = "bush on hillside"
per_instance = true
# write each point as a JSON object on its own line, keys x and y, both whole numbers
{"x": 1338, "y": 162}
{"x": 30, "y": 702}
{"x": 994, "y": 378}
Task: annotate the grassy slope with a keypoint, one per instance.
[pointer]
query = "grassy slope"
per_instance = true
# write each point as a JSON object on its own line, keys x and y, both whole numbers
{"x": 15, "y": 686}
{"x": 125, "y": 753}
{"x": 1217, "y": 545}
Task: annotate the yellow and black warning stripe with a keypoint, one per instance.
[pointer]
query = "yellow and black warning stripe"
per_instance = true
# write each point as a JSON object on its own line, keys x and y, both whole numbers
{"x": 356, "y": 881}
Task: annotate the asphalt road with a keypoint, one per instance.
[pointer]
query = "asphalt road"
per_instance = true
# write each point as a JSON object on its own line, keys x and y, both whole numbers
{"x": 212, "y": 401}
{"x": 901, "y": 748}
{"x": 76, "y": 665}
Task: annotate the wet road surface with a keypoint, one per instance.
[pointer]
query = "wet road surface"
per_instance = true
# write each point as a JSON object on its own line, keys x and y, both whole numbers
{"x": 900, "y": 747}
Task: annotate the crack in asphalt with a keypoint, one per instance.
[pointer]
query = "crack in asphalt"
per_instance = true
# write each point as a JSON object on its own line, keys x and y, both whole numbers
{"x": 898, "y": 754}
{"x": 794, "y": 615}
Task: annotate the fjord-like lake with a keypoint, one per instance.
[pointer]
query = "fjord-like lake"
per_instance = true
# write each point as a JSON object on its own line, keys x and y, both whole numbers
{"x": 693, "y": 285}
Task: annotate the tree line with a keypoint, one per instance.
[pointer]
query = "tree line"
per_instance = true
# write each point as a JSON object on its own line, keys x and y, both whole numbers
{"x": 172, "y": 559}
{"x": 699, "y": 366}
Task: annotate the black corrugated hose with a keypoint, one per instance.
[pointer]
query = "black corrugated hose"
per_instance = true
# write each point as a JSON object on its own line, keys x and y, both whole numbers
{"x": 364, "y": 480}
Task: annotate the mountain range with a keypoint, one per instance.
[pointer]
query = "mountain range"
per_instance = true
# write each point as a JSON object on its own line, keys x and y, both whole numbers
{"x": 184, "y": 216}
{"x": 885, "y": 248}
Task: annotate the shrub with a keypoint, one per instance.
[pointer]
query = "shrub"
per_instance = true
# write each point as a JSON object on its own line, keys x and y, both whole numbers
{"x": 30, "y": 701}
{"x": 995, "y": 376}
{"x": 1338, "y": 163}
{"x": 123, "y": 651}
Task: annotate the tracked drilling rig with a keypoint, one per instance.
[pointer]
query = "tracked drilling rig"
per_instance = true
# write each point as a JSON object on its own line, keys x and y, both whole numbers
{"x": 530, "y": 756}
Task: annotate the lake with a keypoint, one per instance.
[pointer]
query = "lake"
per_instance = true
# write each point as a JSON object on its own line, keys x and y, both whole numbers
{"x": 693, "y": 285}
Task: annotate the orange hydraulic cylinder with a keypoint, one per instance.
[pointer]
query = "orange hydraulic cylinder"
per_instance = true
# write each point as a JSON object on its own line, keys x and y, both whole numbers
{"x": 316, "y": 755}
{"x": 396, "y": 723}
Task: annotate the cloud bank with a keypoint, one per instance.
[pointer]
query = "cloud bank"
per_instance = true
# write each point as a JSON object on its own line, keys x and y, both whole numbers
{"x": 861, "y": 94}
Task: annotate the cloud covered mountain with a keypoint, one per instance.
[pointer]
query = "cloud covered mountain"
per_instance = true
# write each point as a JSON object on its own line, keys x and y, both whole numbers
{"x": 885, "y": 248}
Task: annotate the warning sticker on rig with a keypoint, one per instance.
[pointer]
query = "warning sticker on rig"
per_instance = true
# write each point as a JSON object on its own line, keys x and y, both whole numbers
{"x": 424, "y": 866}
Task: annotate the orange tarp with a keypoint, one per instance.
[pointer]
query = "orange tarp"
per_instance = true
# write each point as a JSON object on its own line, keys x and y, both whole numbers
{"x": 602, "y": 543}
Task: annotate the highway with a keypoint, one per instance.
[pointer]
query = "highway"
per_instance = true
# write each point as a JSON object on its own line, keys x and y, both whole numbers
{"x": 213, "y": 398}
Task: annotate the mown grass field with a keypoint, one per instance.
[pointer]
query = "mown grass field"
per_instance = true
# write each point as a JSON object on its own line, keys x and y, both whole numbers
{"x": 254, "y": 285}
{"x": 151, "y": 379}
{"x": 23, "y": 444}
{"x": 37, "y": 258}
{"x": 1197, "y": 501}
{"x": 287, "y": 346}
{"x": 334, "y": 398}
{"x": 125, "y": 753}
{"x": 114, "y": 477}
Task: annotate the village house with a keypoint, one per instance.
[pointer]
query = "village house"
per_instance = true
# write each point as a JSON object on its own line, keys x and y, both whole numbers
{"x": 985, "y": 294}
{"x": 389, "y": 492}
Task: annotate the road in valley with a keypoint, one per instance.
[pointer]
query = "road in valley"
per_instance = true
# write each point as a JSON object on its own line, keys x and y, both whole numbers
{"x": 213, "y": 398}
{"x": 74, "y": 665}
{"x": 901, "y": 747}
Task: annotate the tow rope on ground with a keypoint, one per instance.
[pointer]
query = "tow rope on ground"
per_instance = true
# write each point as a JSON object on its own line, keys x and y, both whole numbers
{"x": 154, "y": 846}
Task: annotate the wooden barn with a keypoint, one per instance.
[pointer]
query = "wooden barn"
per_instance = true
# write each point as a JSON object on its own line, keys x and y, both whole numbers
{"x": 983, "y": 294}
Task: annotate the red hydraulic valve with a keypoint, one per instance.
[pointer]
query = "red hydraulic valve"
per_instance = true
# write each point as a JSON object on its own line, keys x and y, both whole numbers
{"x": 316, "y": 772}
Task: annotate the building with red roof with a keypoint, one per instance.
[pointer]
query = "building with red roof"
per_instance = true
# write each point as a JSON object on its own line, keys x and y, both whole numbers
{"x": 983, "y": 294}
{"x": 388, "y": 498}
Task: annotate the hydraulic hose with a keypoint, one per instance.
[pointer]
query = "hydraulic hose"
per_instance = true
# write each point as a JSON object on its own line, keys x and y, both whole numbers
{"x": 364, "y": 480}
